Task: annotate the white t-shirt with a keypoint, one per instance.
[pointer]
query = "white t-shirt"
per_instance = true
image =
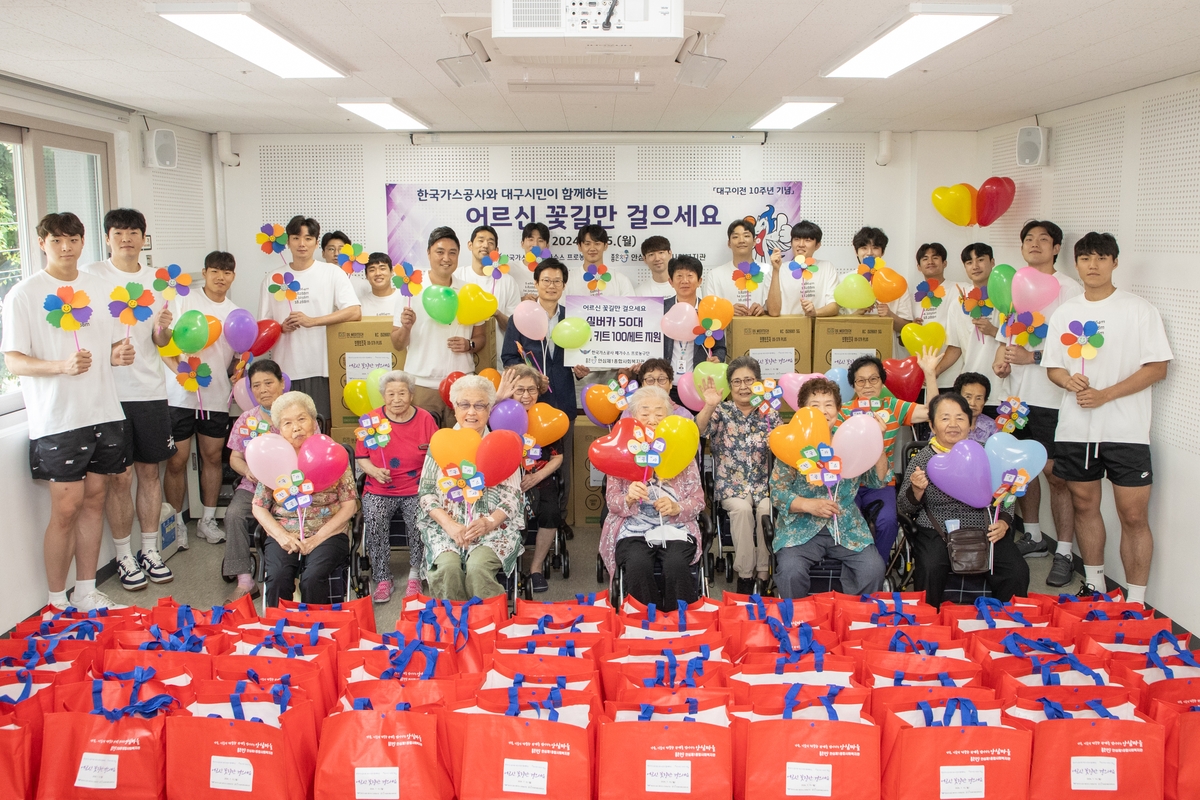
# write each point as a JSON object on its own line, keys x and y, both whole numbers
{"x": 1133, "y": 336}
{"x": 374, "y": 306}
{"x": 1029, "y": 381}
{"x": 719, "y": 281}
{"x": 429, "y": 360}
{"x": 506, "y": 290}
{"x": 619, "y": 286}
{"x": 143, "y": 379}
{"x": 652, "y": 288}
{"x": 324, "y": 289}
{"x": 818, "y": 289}
{"x": 978, "y": 351}
{"x": 218, "y": 356}
{"x": 64, "y": 402}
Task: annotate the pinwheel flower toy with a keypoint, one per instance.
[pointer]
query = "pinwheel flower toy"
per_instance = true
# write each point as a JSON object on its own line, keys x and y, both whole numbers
{"x": 374, "y": 431}
{"x": 747, "y": 276}
{"x": 976, "y": 304}
{"x": 929, "y": 293}
{"x": 869, "y": 266}
{"x": 646, "y": 451}
{"x": 172, "y": 282}
{"x": 820, "y": 466}
{"x": 462, "y": 483}
{"x": 1012, "y": 415}
{"x": 254, "y": 427}
{"x": 294, "y": 492}
{"x": 284, "y": 286}
{"x": 708, "y": 333}
{"x": 272, "y": 239}
{"x": 1027, "y": 328}
{"x": 194, "y": 375}
{"x": 803, "y": 270}
{"x": 620, "y": 390}
{"x": 352, "y": 258}
{"x": 69, "y": 310}
{"x": 131, "y": 304}
{"x": 1013, "y": 484}
{"x": 766, "y": 396}
{"x": 535, "y": 255}
{"x": 1083, "y": 341}
{"x": 407, "y": 279}
{"x": 596, "y": 276}
{"x": 496, "y": 265}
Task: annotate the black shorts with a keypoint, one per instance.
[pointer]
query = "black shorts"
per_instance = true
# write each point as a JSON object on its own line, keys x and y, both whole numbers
{"x": 148, "y": 423}
{"x": 543, "y": 502}
{"x": 1123, "y": 464}
{"x": 1040, "y": 427}
{"x": 186, "y": 421}
{"x": 65, "y": 457}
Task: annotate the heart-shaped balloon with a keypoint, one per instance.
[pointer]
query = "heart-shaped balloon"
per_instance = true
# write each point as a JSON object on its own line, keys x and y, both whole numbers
{"x": 841, "y": 377}
{"x": 854, "y": 291}
{"x": 791, "y": 383}
{"x": 440, "y": 303}
{"x": 598, "y": 408}
{"x": 994, "y": 198}
{"x": 269, "y": 332}
{"x": 1033, "y": 290}
{"x": 498, "y": 456}
{"x": 707, "y": 369}
{"x": 717, "y": 308}
{"x": 1005, "y": 452}
{"x": 508, "y": 415}
{"x": 546, "y": 424}
{"x": 610, "y": 453}
{"x": 1000, "y": 288}
{"x": 963, "y": 473}
{"x": 682, "y": 438}
{"x": 904, "y": 378}
{"x": 955, "y": 203}
{"x": 474, "y": 307}
{"x": 808, "y": 426}
{"x": 858, "y": 442}
{"x": 680, "y": 322}
{"x": 451, "y": 446}
{"x": 443, "y": 387}
{"x": 888, "y": 285}
{"x": 322, "y": 460}
{"x": 916, "y": 336}
{"x": 269, "y": 456}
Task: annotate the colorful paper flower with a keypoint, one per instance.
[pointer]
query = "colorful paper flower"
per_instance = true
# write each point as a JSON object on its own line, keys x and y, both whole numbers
{"x": 1013, "y": 484}
{"x": 929, "y": 293}
{"x": 530, "y": 452}
{"x": 406, "y": 279}
{"x": 1012, "y": 415}
{"x": 1027, "y": 329}
{"x": 193, "y": 374}
{"x": 766, "y": 396}
{"x": 293, "y": 491}
{"x": 869, "y": 266}
{"x": 131, "y": 304}
{"x": 748, "y": 275}
{"x": 284, "y": 286}
{"x": 352, "y": 258}
{"x": 374, "y": 431}
{"x": 976, "y": 304}
{"x": 708, "y": 333}
{"x": 596, "y": 276}
{"x": 803, "y": 270}
{"x": 647, "y": 452}
{"x": 253, "y": 428}
{"x": 535, "y": 255}
{"x": 461, "y": 482}
{"x": 1083, "y": 340}
{"x": 172, "y": 281}
{"x": 271, "y": 238}
{"x": 69, "y": 309}
{"x": 498, "y": 264}
{"x": 820, "y": 466}
{"x": 620, "y": 390}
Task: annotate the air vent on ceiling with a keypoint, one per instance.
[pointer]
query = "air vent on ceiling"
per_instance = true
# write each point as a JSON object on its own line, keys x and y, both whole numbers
{"x": 528, "y": 14}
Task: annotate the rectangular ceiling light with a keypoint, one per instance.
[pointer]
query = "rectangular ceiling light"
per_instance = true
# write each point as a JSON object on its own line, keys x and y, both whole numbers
{"x": 384, "y": 113}
{"x": 921, "y": 31}
{"x": 231, "y": 26}
{"x": 794, "y": 111}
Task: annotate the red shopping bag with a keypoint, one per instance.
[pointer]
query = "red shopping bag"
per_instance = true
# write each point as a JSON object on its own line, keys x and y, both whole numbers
{"x": 16, "y": 758}
{"x": 696, "y": 616}
{"x": 28, "y": 696}
{"x": 560, "y": 619}
{"x": 815, "y": 669}
{"x": 1181, "y": 768}
{"x": 368, "y": 754}
{"x": 208, "y": 641}
{"x": 265, "y": 672}
{"x": 988, "y": 613}
{"x": 416, "y": 661}
{"x": 912, "y": 669}
{"x": 1177, "y": 691}
{"x": 710, "y": 650}
{"x": 1014, "y": 647}
{"x": 646, "y": 758}
{"x": 563, "y": 672}
{"x": 594, "y": 646}
{"x": 861, "y": 615}
{"x": 171, "y": 616}
{"x": 116, "y": 689}
{"x": 362, "y": 609}
{"x": 417, "y": 693}
{"x": 671, "y": 672}
{"x": 881, "y": 698}
{"x": 1068, "y": 670}
{"x": 1070, "y": 614}
{"x": 498, "y": 605}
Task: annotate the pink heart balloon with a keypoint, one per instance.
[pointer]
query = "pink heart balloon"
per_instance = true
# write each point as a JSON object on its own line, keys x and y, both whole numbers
{"x": 269, "y": 456}
{"x": 680, "y": 323}
{"x": 1033, "y": 290}
{"x": 686, "y": 385}
{"x": 858, "y": 443}
{"x": 791, "y": 383}
{"x": 964, "y": 473}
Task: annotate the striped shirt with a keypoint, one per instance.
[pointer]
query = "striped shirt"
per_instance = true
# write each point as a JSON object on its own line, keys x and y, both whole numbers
{"x": 897, "y": 412}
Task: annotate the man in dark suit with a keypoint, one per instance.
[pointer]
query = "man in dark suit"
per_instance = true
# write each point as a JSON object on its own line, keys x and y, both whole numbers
{"x": 685, "y": 273}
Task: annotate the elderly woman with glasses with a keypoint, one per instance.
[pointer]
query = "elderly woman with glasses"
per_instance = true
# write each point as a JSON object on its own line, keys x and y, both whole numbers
{"x": 392, "y": 471}
{"x": 654, "y": 522}
{"x": 737, "y": 436}
{"x": 658, "y": 372}
{"x": 323, "y": 546}
{"x": 466, "y": 547}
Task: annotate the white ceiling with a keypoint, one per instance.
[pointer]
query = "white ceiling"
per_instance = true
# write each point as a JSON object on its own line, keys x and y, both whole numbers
{"x": 1047, "y": 55}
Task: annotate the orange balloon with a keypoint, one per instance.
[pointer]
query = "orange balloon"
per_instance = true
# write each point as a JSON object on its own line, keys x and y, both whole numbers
{"x": 718, "y": 308}
{"x": 492, "y": 375}
{"x": 214, "y": 330}
{"x": 450, "y": 446}
{"x": 597, "y": 402}
{"x": 807, "y": 427}
{"x": 974, "y": 209}
{"x": 547, "y": 424}
{"x": 888, "y": 285}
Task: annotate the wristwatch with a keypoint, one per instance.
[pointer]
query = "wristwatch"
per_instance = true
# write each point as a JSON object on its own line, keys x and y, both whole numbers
{"x": 1037, "y": 357}
{"x": 471, "y": 346}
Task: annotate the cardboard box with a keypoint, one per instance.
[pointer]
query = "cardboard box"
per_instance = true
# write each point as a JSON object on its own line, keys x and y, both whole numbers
{"x": 839, "y": 340}
{"x": 587, "y": 490}
{"x": 771, "y": 338}
{"x": 344, "y": 434}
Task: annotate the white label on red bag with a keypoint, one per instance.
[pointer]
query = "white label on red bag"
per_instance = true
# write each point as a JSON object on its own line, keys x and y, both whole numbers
{"x": 669, "y": 776}
{"x": 234, "y": 774}
{"x": 376, "y": 783}
{"x": 962, "y": 783}
{"x": 97, "y": 771}
{"x": 809, "y": 780}
{"x": 525, "y": 777}
{"x": 1093, "y": 773}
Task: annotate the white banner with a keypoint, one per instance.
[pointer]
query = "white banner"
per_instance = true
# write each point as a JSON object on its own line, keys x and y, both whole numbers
{"x": 625, "y": 330}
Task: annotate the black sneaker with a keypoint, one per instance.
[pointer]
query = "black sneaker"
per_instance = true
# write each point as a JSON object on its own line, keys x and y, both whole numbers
{"x": 1086, "y": 592}
{"x": 745, "y": 585}
{"x": 1061, "y": 571}
{"x": 537, "y": 582}
{"x": 1027, "y": 547}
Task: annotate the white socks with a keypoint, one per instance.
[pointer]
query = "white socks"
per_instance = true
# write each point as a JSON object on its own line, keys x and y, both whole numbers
{"x": 149, "y": 541}
{"x": 58, "y": 599}
{"x": 1063, "y": 549}
{"x": 1034, "y": 529}
{"x": 1137, "y": 594}
{"x": 123, "y": 547}
{"x": 1095, "y": 576}
{"x": 414, "y": 574}
{"x": 210, "y": 513}
{"x": 84, "y": 588}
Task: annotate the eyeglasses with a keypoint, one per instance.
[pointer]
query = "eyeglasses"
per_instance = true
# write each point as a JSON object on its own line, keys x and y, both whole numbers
{"x": 659, "y": 381}
{"x": 479, "y": 408}
{"x": 739, "y": 382}
{"x": 872, "y": 381}
{"x": 521, "y": 391}
{"x": 550, "y": 283}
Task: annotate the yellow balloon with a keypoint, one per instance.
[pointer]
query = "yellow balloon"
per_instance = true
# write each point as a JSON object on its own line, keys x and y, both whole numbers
{"x": 917, "y": 337}
{"x": 682, "y": 438}
{"x": 170, "y": 349}
{"x": 955, "y": 203}
{"x": 356, "y": 398}
{"x": 475, "y": 305}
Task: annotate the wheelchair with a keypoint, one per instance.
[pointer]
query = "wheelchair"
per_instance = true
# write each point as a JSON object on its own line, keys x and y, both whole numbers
{"x": 698, "y": 569}
{"x": 558, "y": 558}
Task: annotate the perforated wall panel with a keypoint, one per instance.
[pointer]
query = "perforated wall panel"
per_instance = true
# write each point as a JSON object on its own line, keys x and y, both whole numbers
{"x": 834, "y": 177}
{"x": 1086, "y": 154}
{"x": 404, "y": 163}
{"x": 179, "y": 212}
{"x": 1027, "y": 204}
{"x": 554, "y": 163}
{"x": 1168, "y": 197}
{"x": 323, "y": 181}
{"x": 689, "y": 163}
{"x": 1175, "y": 397}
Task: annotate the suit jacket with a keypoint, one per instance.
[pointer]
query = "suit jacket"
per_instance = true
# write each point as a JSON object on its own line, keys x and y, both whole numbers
{"x": 699, "y": 354}
{"x": 562, "y": 378}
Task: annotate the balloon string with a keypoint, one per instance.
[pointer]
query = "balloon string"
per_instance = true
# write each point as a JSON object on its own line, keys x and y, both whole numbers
{"x": 300, "y": 517}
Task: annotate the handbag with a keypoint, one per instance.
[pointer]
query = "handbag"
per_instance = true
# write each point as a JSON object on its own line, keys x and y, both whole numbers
{"x": 968, "y": 548}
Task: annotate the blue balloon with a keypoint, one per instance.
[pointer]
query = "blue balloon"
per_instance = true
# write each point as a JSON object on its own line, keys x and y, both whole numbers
{"x": 1005, "y": 452}
{"x": 842, "y": 379}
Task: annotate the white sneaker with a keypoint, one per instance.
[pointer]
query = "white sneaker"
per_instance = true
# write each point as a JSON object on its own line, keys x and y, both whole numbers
{"x": 93, "y": 600}
{"x": 210, "y": 531}
{"x": 133, "y": 579}
{"x": 153, "y": 567}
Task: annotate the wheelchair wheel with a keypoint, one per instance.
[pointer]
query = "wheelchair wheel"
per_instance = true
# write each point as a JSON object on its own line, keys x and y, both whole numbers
{"x": 708, "y": 566}
{"x": 526, "y": 587}
{"x": 600, "y": 571}
{"x": 566, "y": 565}
{"x": 729, "y": 567}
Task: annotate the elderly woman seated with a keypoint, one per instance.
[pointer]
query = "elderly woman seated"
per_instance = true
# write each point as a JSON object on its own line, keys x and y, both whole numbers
{"x": 658, "y": 372}
{"x": 813, "y": 526}
{"x": 323, "y": 545}
{"x": 466, "y": 547}
{"x": 934, "y": 510}
{"x": 654, "y": 522}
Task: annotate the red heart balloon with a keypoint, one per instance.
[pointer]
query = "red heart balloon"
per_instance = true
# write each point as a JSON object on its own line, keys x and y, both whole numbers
{"x": 444, "y": 387}
{"x": 994, "y": 198}
{"x": 269, "y": 332}
{"x": 610, "y": 453}
{"x": 498, "y": 456}
{"x": 322, "y": 460}
{"x": 904, "y": 378}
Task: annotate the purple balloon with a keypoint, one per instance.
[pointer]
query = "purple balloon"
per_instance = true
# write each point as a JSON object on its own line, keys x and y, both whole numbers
{"x": 964, "y": 473}
{"x": 241, "y": 329}
{"x": 509, "y": 415}
{"x": 588, "y": 412}
{"x": 287, "y": 383}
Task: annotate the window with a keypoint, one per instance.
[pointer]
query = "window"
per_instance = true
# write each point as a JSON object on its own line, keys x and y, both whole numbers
{"x": 73, "y": 184}
{"x": 12, "y": 235}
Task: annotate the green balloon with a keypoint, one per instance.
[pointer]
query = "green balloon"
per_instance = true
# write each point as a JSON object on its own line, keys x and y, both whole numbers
{"x": 373, "y": 392}
{"x": 441, "y": 303}
{"x": 191, "y": 332}
{"x": 999, "y": 288}
{"x": 854, "y": 292}
{"x": 709, "y": 369}
{"x": 571, "y": 333}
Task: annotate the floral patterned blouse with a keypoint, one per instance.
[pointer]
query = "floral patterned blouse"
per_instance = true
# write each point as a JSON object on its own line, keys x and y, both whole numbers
{"x": 684, "y": 487}
{"x": 324, "y": 504}
{"x": 740, "y": 453}
{"x": 792, "y": 528}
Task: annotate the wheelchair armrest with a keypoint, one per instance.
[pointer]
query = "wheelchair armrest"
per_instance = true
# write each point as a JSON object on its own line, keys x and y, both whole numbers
{"x": 768, "y": 529}
{"x": 707, "y": 531}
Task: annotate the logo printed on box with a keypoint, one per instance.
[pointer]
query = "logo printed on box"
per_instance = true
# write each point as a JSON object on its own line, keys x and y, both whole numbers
{"x": 962, "y": 783}
{"x": 808, "y": 780}
{"x": 231, "y": 773}
{"x": 97, "y": 771}
{"x": 525, "y": 777}
{"x": 376, "y": 783}
{"x": 1093, "y": 773}
{"x": 669, "y": 776}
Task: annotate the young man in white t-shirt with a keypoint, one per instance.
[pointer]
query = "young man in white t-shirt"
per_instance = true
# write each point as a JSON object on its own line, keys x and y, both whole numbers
{"x": 203, "y": 413}
{"x": 534, "y": 234}
{"x": 1022, "y": 365}
{"x": 720, "y": 281}
{"x": 325, "y": 297}
{"x": 656, "y": 253}
{"x": 927, "y": 303}
{"x": 971, "y": 328}
{"x": 485, "y": 240}
{"x": 143, "y": 397}
{"x": 436, "y": 349}
{"x": 873, "y": 242}
{"x": 380, "y": 301}
{"x": 77, "y": 439}
{"x": 810, "y": 293}
{"x": 1106, "y": 348}
{"x": 588, "y": 279}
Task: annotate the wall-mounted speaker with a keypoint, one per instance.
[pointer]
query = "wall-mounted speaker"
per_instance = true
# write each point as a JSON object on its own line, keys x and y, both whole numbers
{"x": 160, "y": 149}
{"x": 1033, "y": 146}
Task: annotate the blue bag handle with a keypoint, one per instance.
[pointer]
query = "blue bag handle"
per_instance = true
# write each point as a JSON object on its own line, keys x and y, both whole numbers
{"x": 1098, "y": 707}
{"x": 26, "y": 678}
{"x": 588, "y": 599}
{"x": 1153, "y": 659}
{"x": 1054, "y": 710}
{"x": 400, "y": 659}
{"x": 987, "y": 606}
{"x": 903, "y": 643}
{"x": 1050, "y": 678}
{"x": 756, "y": 602}
{"x": 968, "y": 714}
{"x": 1015, "y": 641}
